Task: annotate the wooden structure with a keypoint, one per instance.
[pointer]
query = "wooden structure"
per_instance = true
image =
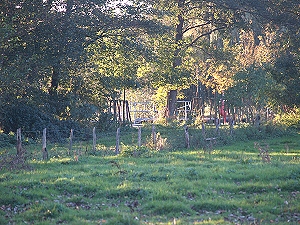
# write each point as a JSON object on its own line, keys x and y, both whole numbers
{"x": 183, "y": 109}
{"x": 120, "y": 111}
{"x": 142, "y": 112}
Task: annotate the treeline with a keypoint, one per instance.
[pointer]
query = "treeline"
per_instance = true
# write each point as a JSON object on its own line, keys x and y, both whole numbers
{"x": 63, "y": 62}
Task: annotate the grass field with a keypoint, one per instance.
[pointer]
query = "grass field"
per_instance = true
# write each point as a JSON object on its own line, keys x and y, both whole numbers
{"x": 229, "y": 185}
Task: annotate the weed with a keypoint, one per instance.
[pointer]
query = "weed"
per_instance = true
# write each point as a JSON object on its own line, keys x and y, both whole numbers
{"x": 263, "y": 152}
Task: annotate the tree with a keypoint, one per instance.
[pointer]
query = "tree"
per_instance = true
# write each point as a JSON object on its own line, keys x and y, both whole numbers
{"x": 251, "y": 90}
{"x": 46, "y": 42}
{"x": 210, "y": 29}
{"x": 44, "y": 60}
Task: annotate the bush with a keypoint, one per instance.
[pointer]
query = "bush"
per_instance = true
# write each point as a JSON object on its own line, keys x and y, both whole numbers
{"x": 290, "y": 118}
{"x": 7, "y": 140}
{"x": 32, "y": 121}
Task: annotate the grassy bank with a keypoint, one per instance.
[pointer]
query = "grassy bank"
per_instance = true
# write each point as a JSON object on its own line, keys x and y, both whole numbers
{"x": 242, "y": 183}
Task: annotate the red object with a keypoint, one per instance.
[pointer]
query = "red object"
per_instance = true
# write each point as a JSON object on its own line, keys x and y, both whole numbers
{"x": 222, "y": 110}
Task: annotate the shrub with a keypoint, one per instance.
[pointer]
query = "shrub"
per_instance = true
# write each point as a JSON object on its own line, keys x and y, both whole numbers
{"x": 290, "y": 118}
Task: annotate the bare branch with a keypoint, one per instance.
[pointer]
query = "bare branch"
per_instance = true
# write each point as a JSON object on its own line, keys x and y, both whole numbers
{"x": 203, "y": 35}
{"x": 196, "y": 26}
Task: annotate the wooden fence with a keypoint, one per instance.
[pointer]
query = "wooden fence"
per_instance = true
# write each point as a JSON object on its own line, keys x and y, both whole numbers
{"x": 156, "y": 140}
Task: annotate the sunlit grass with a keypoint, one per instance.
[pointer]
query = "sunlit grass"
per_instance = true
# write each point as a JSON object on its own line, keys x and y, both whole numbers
{"x": 230, "y": 184}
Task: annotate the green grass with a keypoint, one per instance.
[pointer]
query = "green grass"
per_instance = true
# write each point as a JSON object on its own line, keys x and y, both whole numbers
{"x": 231, "y": 185}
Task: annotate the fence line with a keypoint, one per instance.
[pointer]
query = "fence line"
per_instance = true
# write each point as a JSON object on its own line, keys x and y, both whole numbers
{"x": 152, "y": 138}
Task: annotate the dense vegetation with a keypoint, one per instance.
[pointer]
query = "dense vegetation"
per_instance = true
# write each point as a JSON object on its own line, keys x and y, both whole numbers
{"x": 67, "y": 60}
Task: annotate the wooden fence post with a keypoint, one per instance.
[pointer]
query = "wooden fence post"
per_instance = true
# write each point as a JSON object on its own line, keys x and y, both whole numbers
{"x": 217, "y": 126}
{"x": 44, "y": 148}
{"x": 19, "y": 142}
{"x": 231, "y": 121}
{"x": 118, "y": 141}
{"x": 154, "y": 135}
{"x": 94, "y": 139}
{"x": 71, "y": 142}
{"x": 139, "y": 136}
{"x": 187, "y": 136}
{"x": 203, "y": 131}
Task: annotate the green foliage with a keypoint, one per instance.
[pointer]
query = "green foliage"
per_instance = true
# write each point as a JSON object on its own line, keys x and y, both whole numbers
{"x": 62, "y": 62}
{"x": 7, "y": 140}
{"x": 251, "y": 88}
{"x": 290, "y": 118}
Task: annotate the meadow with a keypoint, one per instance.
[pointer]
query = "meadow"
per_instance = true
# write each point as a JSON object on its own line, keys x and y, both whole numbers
{"x": 242, "y": 182}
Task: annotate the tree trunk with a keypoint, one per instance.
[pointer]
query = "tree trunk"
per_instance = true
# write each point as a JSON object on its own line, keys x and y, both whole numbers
{"x": 123, "y": 108}
{"x": 171, "y": 103}
{"x": 54, "y": 82}
{"x": 178, "y": 37}
{"x": 177, "y": 61}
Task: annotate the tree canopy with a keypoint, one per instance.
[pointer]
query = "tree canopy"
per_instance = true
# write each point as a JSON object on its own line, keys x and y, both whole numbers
{"x": 67, "y": 59}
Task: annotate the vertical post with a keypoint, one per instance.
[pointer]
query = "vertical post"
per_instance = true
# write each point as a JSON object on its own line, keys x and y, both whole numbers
{"x": 203, "y": 131}
{"x": 185, "y": 111}
{"x": 231, "y": 121}
{"x": 139, "y": 136}
{"x": 118, "y": 141}
{"x": 44, "y": 148}
{"x": 187, "y": 136}
{"x": 119, "y": 111}
{"x": 217, "y": 125}
{"x": 124, "y": 105}
{"x": 19, "y": 142}
{"x": 115, "y": 110}
{"x": 71, "y": 142}
{"x": 128, "y": 112}
{"x": 154, "y": 135}
{"x": 94, "y": 139}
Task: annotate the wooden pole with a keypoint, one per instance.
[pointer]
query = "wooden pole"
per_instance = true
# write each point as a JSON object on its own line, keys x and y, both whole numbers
{"x": 187, "y": 136}
{"x": 203, "y": 131}
{"x": 71, "y": 142}
{"x": 231, "y": 121}
{"x": 44, "y": 148}
{"x": 118, "y": 141}
{"x": 154, "y": 135}
{"x": 115, "y": 110}
{"x": 124, "y": 106}
{"x": 94, "y": 139}
{"x": 19, "y": 142}
{"x": 139, "y": 136}
{"x": 217, "y": 126}
{"x": 128, "y": 112}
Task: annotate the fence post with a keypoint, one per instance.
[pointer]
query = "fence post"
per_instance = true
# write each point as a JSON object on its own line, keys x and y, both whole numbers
{"x": 44, "y": 148}
{"x": 231, "y": 121}
{"x": 203, "y": 131}
{"x": 118, "y": 141}
{"x": 94, "y": 139}
{"x": 187, "y": 136}
{"x": 154, "y": 135}
{"x": 71, "y": 142}
{"x": 19, "y": 143}
{"x": 217, "y": 126}
{"x": 139, "y": 136}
